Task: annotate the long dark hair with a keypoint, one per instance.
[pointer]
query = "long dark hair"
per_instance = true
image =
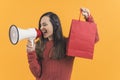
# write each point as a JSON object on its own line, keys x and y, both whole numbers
{"x": 59, "y": 41}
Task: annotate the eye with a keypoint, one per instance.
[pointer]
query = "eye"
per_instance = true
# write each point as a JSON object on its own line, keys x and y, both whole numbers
{"x": 44, "y": 24}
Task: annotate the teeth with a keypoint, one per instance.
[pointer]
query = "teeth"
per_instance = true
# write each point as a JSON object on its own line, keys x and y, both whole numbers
{"x": 45, "y": 31}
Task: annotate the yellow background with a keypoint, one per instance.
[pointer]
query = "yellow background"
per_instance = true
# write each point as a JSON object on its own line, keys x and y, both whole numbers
{"x": 26, "y": 13}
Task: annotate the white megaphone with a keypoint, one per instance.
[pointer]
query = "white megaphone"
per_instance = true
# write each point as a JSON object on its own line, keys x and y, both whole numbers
{"x": 17, "y": 34}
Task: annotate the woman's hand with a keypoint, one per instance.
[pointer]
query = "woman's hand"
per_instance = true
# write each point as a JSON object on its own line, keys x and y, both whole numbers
{"x": 85, "y": 12}
{"x": 30, "y": 46}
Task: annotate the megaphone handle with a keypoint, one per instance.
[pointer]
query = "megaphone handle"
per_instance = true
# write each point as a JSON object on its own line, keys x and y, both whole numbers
{"x": 32, "y": 41}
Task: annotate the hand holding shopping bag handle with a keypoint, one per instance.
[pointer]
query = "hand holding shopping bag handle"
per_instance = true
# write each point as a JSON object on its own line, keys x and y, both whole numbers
{"x": 85, "y": 12}
{"x": 87, "y": 15}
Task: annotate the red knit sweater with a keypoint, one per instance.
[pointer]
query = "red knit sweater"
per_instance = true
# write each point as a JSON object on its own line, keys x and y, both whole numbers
{"x": 51, "y": 69}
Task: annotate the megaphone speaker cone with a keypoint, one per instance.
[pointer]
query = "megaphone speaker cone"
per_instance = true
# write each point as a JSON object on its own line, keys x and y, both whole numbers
{"x": 13, "y": 34}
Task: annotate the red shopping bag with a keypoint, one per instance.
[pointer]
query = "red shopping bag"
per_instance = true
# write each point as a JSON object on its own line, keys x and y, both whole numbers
{"x": 82, "y": 38}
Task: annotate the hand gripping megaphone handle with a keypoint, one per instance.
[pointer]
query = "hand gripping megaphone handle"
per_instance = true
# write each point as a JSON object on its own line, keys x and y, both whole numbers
{"x": 32, "y": 41}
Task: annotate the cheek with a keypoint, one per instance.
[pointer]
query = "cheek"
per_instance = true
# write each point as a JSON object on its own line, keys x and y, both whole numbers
{"x": 51, "y": 29}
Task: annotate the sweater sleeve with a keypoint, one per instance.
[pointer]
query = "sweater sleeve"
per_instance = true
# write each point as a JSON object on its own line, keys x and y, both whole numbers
{"x": 89, "y": 19}
{"x": 34, "y": 65}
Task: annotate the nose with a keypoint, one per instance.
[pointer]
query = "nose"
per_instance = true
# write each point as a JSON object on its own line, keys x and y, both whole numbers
{"x": 42, "y": 28}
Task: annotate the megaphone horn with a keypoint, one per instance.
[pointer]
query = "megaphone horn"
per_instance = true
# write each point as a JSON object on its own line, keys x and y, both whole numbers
{"x": 17, "y": 34}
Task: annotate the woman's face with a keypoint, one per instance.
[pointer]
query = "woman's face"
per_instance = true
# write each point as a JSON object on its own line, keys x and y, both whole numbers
{"x": 46, "y": 28}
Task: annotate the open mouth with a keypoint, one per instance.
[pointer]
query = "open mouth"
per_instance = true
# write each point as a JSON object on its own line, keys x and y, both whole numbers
{"x": 44, "y": 31}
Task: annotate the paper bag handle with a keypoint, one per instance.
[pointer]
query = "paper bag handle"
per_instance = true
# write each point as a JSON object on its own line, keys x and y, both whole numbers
{"x": 80, "y": 14}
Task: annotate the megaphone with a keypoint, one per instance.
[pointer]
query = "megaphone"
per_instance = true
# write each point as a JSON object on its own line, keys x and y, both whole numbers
{"x": 17, "y": 34}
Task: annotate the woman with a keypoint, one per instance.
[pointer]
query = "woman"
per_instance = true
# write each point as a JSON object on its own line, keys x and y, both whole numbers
{"x": 47, "y": 58}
